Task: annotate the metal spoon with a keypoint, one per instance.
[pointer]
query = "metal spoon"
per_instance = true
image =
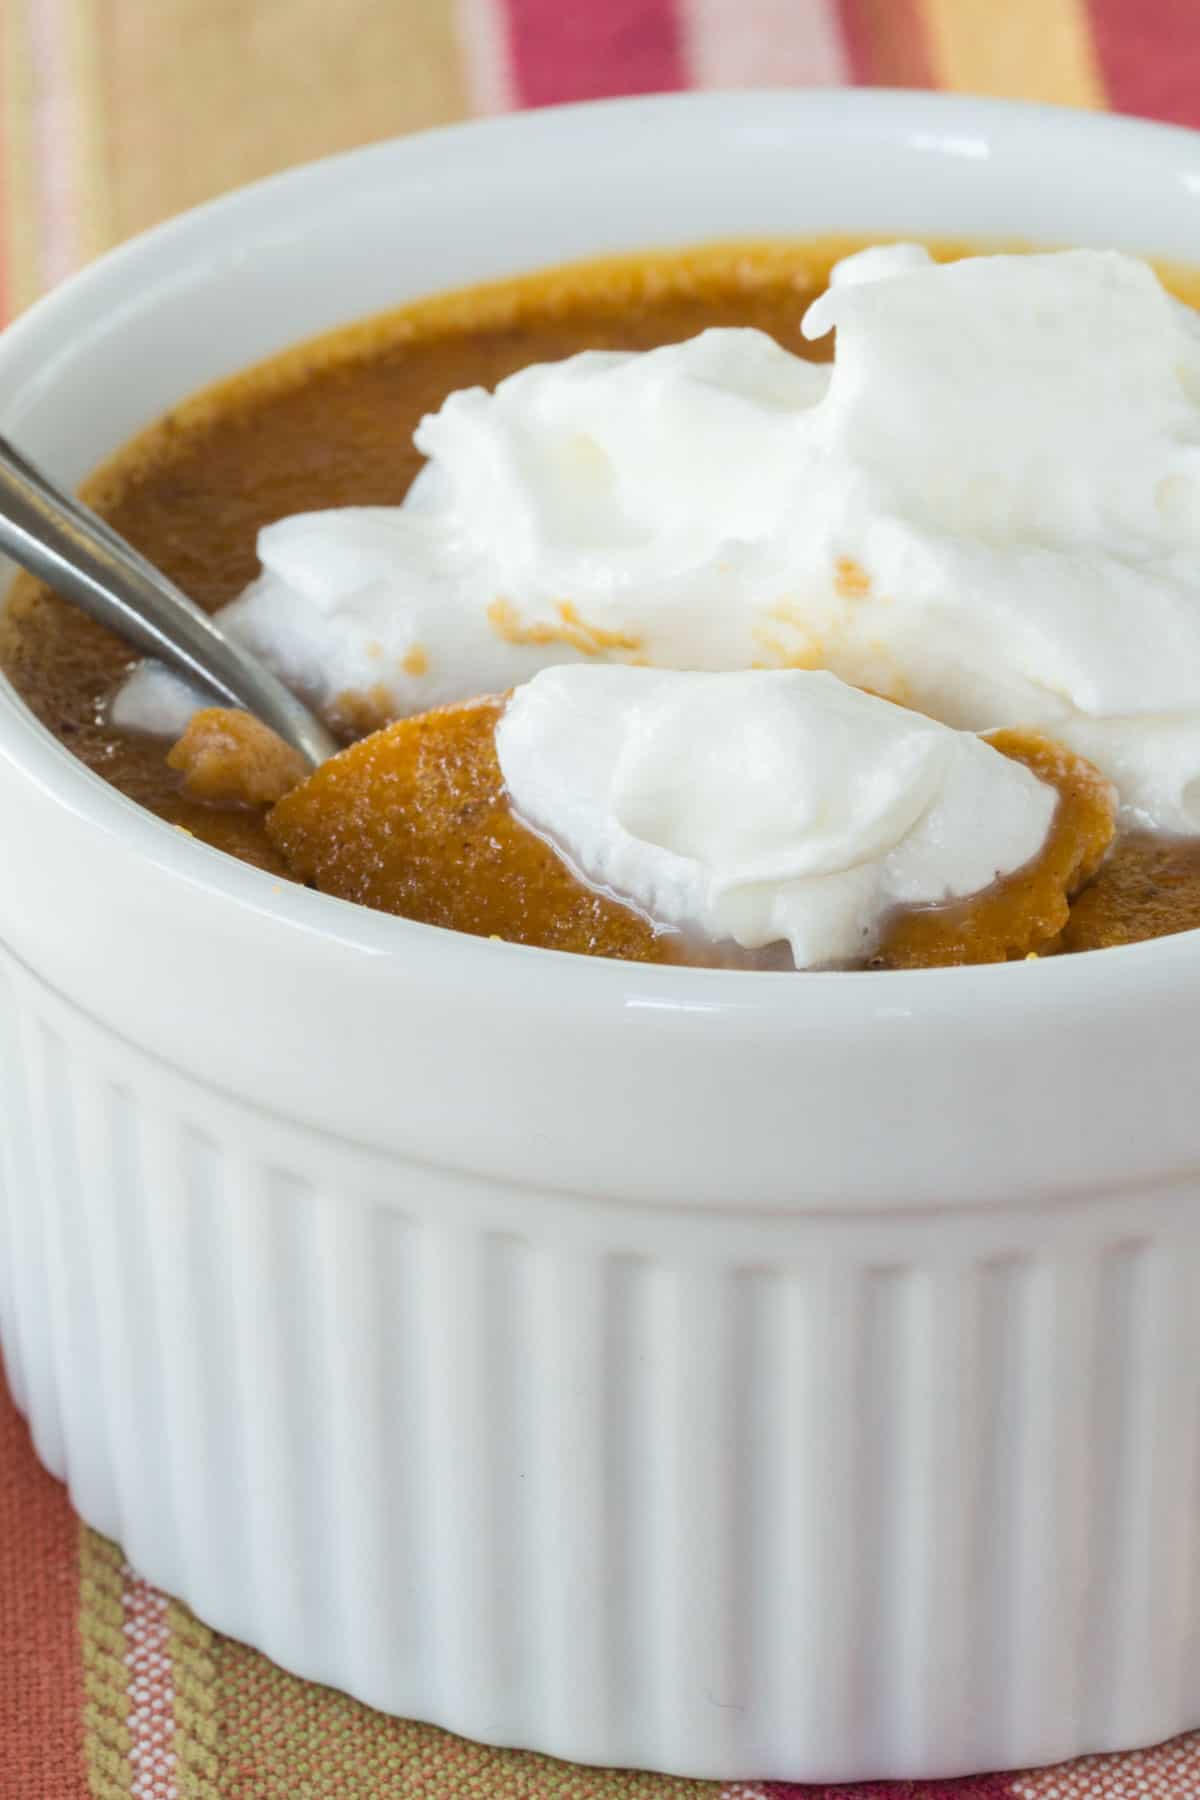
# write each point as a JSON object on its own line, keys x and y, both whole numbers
{"x": 62, "y": 542}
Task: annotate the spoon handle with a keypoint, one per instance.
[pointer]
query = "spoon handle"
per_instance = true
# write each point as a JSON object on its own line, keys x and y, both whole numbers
{"x": 62, "y": 542}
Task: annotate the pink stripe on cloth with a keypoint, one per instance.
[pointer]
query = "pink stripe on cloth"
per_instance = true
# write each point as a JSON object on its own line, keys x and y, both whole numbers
{"x": 1149, "y": 53}
{"x": 1169, "y": 1771}
{"x": 52, "y": 138}
{"x": 955, "y": 1787}
{"x": 764, "y": 43}
{"x": 151, "y": 1721}
{"x": 584, "y": 50}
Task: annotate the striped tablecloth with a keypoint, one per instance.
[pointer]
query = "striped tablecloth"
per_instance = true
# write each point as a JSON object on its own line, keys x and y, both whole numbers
{"x": 117, "y": 113}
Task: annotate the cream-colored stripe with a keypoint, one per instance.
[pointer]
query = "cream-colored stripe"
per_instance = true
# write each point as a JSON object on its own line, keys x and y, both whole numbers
{"x": 53, "y": 132}
{"x": 89, "y": 139}
{"x": 763, "y": 43}
{"x": 150, "y": 1719}
{"x": 487, "y": 62}
{"x": 20, "y": 229}
{"x": 1029, "y": 49}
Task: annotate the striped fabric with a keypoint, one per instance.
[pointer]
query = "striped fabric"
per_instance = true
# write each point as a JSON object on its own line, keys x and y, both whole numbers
{"x": 108, "y": 1690}
{"x": 113, "y": 115}
{"x": 117, "y": 113}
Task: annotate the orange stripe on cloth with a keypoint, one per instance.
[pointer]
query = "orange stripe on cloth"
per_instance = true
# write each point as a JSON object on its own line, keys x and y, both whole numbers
{"x": 1030, "y": 49}
{"x": 41, "y": 1678}
{"x": 887, "y": 43}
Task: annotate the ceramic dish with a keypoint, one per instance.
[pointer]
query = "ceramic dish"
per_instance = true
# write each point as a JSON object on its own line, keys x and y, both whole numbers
{"x": 734, "y": 1374}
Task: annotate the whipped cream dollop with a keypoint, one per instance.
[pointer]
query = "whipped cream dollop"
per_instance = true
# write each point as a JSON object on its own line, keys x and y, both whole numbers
{"x": 988, "y": 506}
{"x": 763, "y": 806}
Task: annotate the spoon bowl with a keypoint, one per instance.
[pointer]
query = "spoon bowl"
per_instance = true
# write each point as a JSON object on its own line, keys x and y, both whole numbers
{"x": 65, "y": 544}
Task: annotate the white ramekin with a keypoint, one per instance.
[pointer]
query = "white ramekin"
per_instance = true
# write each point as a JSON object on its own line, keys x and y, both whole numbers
{"x": 741, "y": 1375}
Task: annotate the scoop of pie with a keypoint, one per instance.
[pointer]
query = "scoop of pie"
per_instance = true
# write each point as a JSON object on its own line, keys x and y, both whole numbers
{"x": 230, "y": 759}
{"x": 1026, "y": 913}
{"x": 414, "y": 820}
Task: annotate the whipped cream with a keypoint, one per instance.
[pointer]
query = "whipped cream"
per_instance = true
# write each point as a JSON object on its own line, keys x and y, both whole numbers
{"x": 763, "y": 806}
{"x": 987, "y": 506}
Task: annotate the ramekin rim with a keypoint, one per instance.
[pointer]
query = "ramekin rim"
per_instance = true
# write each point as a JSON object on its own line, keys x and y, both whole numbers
{"x": 1051, "y": 983}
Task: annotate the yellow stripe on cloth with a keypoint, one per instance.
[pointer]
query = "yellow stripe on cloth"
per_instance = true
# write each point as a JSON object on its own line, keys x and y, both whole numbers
{"x": 287, "y": 1737}
{"x": 202, "y": 95}
{"x": 243, "y": 1726}
{"x": 90, "y": 158}
{"x": 1027, "y": 49}
{"x": 193, "y": 1652}
{"x": 18, "y": 223}
{"x": 105, "y": 1673}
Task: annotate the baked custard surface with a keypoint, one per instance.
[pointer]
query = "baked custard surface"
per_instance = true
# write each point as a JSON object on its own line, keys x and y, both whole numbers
{"x": 414, "y": 820}
{"x": 330, "y": 424}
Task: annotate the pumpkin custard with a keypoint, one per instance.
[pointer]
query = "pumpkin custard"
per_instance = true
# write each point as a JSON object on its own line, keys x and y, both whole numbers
{"x": 415, "y": 820}
{"x": 656, "y": 631}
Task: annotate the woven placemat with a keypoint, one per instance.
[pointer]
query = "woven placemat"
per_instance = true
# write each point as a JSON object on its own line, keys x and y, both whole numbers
{"x": 108, "y": 1689}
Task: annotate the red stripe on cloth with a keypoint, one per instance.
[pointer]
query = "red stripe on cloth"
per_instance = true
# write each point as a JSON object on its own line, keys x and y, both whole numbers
{"x": 581, "y": 50}
{"x": 886, "y": 43}
{"x": 962, "y": 1787}
{"x": 41, "y": 1670}
{"x": 1149, "y": 53}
